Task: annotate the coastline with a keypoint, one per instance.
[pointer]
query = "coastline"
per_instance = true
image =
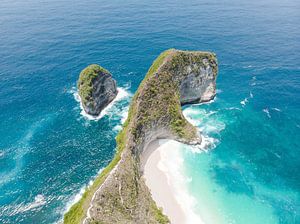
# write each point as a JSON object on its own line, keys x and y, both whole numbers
{"x": 122, "y": 93}
{"x": 119, "y": 194}
{"x": 161, "y": 168}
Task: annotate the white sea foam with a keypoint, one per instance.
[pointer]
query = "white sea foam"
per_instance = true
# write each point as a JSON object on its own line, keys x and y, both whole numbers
{"x": 74, "y": 199}
{"x": 207, "y": 125}
{"x": 277, "y": 155}
{"x": 208, "y": 102}
{"x": 276, "y": 109}
{"x": 212, "y": 126}
{"x": 2, "y": 153}
{"x": 124, "y": 114}
{"x": 36, "y": 204}
{"x": 39, "y": 200}
{"x": 109, "y": 110}
{"x": 246, "y": 100}
{"x": 193, "y": 121}
{"x": 253, "y": 81}
{"x": 122, "y": 93}
{"x": 171, "y": 163}
{"x": 117, "y": 128}
{"x": 266, "y": 110}
{"x": 211, "y": 113}
{"x": 207, "y": 143}
{"x": 233, "y": 108}
{"x": 78, "y": 195}
{"x": 190, "y": 111}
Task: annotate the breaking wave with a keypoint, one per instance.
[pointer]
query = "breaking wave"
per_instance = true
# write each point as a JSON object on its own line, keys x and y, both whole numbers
{"x": 123, "y": 94}
{"x": 209, "y": 124}
{"x": 78, "y": 195}
{"x": 246, "y": 100}
{"x": 172, "y": 165}
{"x": 11, "y": 210}
{"x": 266, "y": 110}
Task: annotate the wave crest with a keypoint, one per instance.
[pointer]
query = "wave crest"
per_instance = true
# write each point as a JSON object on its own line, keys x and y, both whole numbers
{"x": 122, "y": 94}
{"x": 209, "y": 124}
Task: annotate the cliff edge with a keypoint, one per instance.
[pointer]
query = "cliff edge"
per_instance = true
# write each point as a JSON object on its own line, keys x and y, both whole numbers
{"x": 119, "y": 194}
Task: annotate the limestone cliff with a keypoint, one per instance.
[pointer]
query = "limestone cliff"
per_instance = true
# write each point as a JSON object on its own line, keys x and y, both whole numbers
{"x": 119, "y": 194}
{"x": 96, "y": 88}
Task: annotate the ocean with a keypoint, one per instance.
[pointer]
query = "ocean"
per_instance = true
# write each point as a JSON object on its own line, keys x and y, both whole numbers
{"x": 50, "y": 151}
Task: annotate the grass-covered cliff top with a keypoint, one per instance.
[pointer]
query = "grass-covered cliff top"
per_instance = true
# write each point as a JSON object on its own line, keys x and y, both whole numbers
{"x": 157, "y": 99}
{"x": 85, "y": 81}
{"x": 156, "y": 104}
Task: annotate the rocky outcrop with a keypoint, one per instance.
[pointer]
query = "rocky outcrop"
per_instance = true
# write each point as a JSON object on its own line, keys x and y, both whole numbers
{"x": 119, "y": 194}
{"x": 199, "y": 83}
{"x": 96, "y": 88}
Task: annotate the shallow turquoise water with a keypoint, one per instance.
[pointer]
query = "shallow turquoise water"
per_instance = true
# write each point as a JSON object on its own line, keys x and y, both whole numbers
{"x": 48, "y": 151}
{"x": 249, "y": 173}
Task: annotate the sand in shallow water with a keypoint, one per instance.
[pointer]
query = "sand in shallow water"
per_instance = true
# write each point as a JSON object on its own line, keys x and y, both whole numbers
{"x": 161, "y": 169}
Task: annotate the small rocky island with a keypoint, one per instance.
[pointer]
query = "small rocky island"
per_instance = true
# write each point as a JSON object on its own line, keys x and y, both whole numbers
{"x": 119, "y": 194}
{"x": 96, "y": 89}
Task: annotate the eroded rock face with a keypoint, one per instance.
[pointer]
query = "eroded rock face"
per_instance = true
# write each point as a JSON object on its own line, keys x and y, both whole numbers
{"x": 96, "y": 89}
{"x": 195, "y": 73}
{"x": 199, "y": 84}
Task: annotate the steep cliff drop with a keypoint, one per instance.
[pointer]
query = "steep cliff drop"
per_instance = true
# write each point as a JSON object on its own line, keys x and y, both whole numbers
{"x": 119, "y": 194}
{"x": 96, "y": 89}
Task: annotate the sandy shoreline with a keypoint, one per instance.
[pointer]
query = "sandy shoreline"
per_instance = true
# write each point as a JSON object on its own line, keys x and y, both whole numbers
{"x": 160, "y": 164}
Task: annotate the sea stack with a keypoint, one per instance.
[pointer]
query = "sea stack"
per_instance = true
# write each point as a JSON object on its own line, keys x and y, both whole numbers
{"x": 96, "y": 89}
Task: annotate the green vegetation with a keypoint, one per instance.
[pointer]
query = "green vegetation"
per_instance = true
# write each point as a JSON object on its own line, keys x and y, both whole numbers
{"x": 159, "y": 216}
{"x": 182, "y": 58}
{"x": 77, "y": 212}
{"x": 157, "y": 63}
{"x": 85, "y": 82}
{"x": 160, "y": 98}
{"x": 155, "y": 103}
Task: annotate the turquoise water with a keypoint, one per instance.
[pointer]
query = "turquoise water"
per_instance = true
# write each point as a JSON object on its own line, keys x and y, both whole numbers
{"x": 49, "y": 151}
{"x": 249, "y": 173}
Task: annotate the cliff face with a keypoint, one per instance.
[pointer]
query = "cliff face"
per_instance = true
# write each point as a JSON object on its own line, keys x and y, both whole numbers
{"x": 96, "y": 89}
{"x": 199, "y": 83}
{"x": 175, "y": 78}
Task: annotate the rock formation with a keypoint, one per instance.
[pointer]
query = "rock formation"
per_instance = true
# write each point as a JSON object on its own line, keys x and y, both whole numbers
{"x": 119, "y": 193}
{"x": 96, "y": 88}
{"x": 199, "y": 84}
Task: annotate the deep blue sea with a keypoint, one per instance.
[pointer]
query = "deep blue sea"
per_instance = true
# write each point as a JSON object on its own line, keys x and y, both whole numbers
{"x": 49, "y": 152}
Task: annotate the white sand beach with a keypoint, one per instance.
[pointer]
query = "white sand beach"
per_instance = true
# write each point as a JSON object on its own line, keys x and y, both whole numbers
{"x": 162, "y": 169}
